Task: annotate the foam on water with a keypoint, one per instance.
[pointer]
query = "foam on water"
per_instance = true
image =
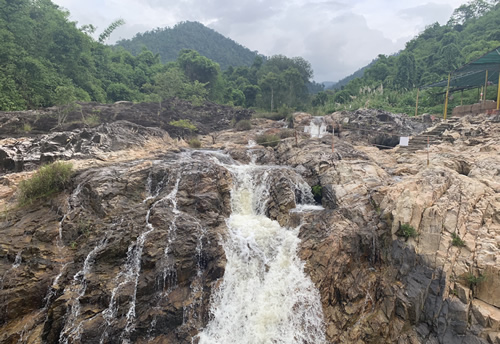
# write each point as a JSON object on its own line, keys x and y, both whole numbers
{"x": 265, "y": 296}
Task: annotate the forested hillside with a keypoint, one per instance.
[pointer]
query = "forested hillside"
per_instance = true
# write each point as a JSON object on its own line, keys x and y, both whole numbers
{"x": 391, "y": 81}
{"x": 357, "y": 74}
{"x": 47, "y": 60}
{"x": 168, "y": 42}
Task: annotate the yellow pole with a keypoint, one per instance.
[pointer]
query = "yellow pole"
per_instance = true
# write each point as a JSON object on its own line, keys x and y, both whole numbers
{"x": 416, "y": 106}
{"x": 498, "y": 94}
{"x": 485, "y": 85}
{"x": 446, "y": 100}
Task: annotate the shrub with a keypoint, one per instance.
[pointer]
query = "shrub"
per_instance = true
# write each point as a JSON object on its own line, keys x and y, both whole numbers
{"x": 473, "y": 280}
{"x": 49, "y": 179}
{"x": 27, "y": 128}
{"x": 284, "y": 133}
{"x": 92, "y": 120}
{"x": 317, "y": 192}
{"x": 183, "y": 123}
{"x": 267, "y": 140}
{"x": 243, "y": 125}
{"x": 194, "y": 143}
{"x": 407, "y": 231}
{"x": 456, "y": 241}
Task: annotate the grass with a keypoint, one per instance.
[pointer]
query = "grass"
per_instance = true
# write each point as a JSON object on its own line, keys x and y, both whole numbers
{"x": 243, "y": 125}
{"x": 27, "y": 128}
{"x": 194, "y": 143}
{"x": 456, "y": 241}
{"x": 184, "y": 124}
{"x": 407, "y": 231}
{"x": 92, "y": 120}
{"x": 48, "y": 180}
{"x": 285, "y": 133}
{"x": 267, "y": 140}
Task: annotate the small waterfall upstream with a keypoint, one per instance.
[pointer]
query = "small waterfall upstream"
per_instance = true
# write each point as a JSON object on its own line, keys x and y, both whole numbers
{"x": 265, "y": 296}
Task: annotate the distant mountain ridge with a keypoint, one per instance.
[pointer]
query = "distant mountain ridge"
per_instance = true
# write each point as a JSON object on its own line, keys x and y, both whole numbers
{"x": 191, "y": 35}
{"x": 357, "y": 74}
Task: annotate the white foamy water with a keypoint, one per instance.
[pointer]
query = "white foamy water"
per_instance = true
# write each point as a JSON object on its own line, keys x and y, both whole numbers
{"x": 317, "y": 127}
{"x": 265, "y": 296}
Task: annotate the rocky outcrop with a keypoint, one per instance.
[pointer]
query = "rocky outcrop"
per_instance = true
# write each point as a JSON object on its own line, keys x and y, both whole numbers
{"x": 206, "y": 117}
{"x": 132, "y": 251}
{"x": 23, "y": 154}
{"x": 132, "y": 246}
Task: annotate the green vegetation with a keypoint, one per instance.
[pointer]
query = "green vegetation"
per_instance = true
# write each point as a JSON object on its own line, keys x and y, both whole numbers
{"x": 285, "y": 133}
{"x": 243, "y": 125}
{"x": 474, "y": 280}
{"x": 390, "y": 82}
{"x": 456, "y": 241}
{"x": 92, "y": 120}
{"x": 27, "y": 128}
{"x": 194, "y": 143}
{"x": 48, "y": 180}
{"x": 48, "y": 60}
{"x": 267, "y": 140}
{"x": 407, "y": 231}
{"x": 168, "y": 42}
{"x": 317, "y": 191}
{"x": 184, "y": 124}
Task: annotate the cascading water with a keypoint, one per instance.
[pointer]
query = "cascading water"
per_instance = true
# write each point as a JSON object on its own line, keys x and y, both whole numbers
{"x": 72, "y": 328}
{"x": 317, "y": 127}
{"x": 265, "y": 296}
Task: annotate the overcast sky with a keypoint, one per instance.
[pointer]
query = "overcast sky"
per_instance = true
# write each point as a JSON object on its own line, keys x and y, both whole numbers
{"x": 337, "y": 37}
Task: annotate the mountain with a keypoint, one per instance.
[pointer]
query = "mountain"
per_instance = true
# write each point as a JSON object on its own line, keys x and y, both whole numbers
{"x": 391, "y": 82}
{"x": 190, "y": 35}
{"x": 357, "y": 74}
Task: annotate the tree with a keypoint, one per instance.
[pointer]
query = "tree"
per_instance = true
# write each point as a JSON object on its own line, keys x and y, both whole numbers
{"x": 104, "y": 36}
{"x": 406, "y": 71}
{"x": 269, "y": 85}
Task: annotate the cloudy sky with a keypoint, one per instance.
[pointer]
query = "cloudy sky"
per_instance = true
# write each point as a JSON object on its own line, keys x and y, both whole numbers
{"x": 336, "y": 36}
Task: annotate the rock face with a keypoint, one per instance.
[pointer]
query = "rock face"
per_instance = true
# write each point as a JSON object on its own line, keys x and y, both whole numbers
{"x": 132, "y": 251}
{"x": 206, "y": 117}
{"x": 17, "y": 155}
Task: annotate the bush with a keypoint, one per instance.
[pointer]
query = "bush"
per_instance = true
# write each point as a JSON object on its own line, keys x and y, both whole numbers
{"x": 92, "y": 120}
{"x": 194, "y": 143}
{"x": 243, "y": 125}
{"x": 473, "y": 280}
{"x": 267, "y": 140}
{"x": 456, "y": 241}
{"x": 27, "y": 128}
{"x": 407, "y": 231}
{"x": 48, "y": 180}
{"x": 317, "y": 192}
{"x": 284, "y": 133}
{"x": 183, "y": 123}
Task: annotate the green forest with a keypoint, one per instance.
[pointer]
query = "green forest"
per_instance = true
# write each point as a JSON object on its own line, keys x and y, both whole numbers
{"x": 168, "y": 42}
{"x": 391, "y": 82}
{"x": 48, "y": 60}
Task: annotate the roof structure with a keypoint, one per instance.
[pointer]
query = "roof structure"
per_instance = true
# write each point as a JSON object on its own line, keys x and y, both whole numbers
{"x": 473, "y": 74}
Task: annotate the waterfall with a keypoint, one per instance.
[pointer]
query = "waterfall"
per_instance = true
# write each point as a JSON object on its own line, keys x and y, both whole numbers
{"x": 265, "y": 296}
{"x": 317, "y": 127}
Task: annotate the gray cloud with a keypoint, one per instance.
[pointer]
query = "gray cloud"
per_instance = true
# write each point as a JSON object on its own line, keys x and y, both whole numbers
{"x": 336, "y": 36}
